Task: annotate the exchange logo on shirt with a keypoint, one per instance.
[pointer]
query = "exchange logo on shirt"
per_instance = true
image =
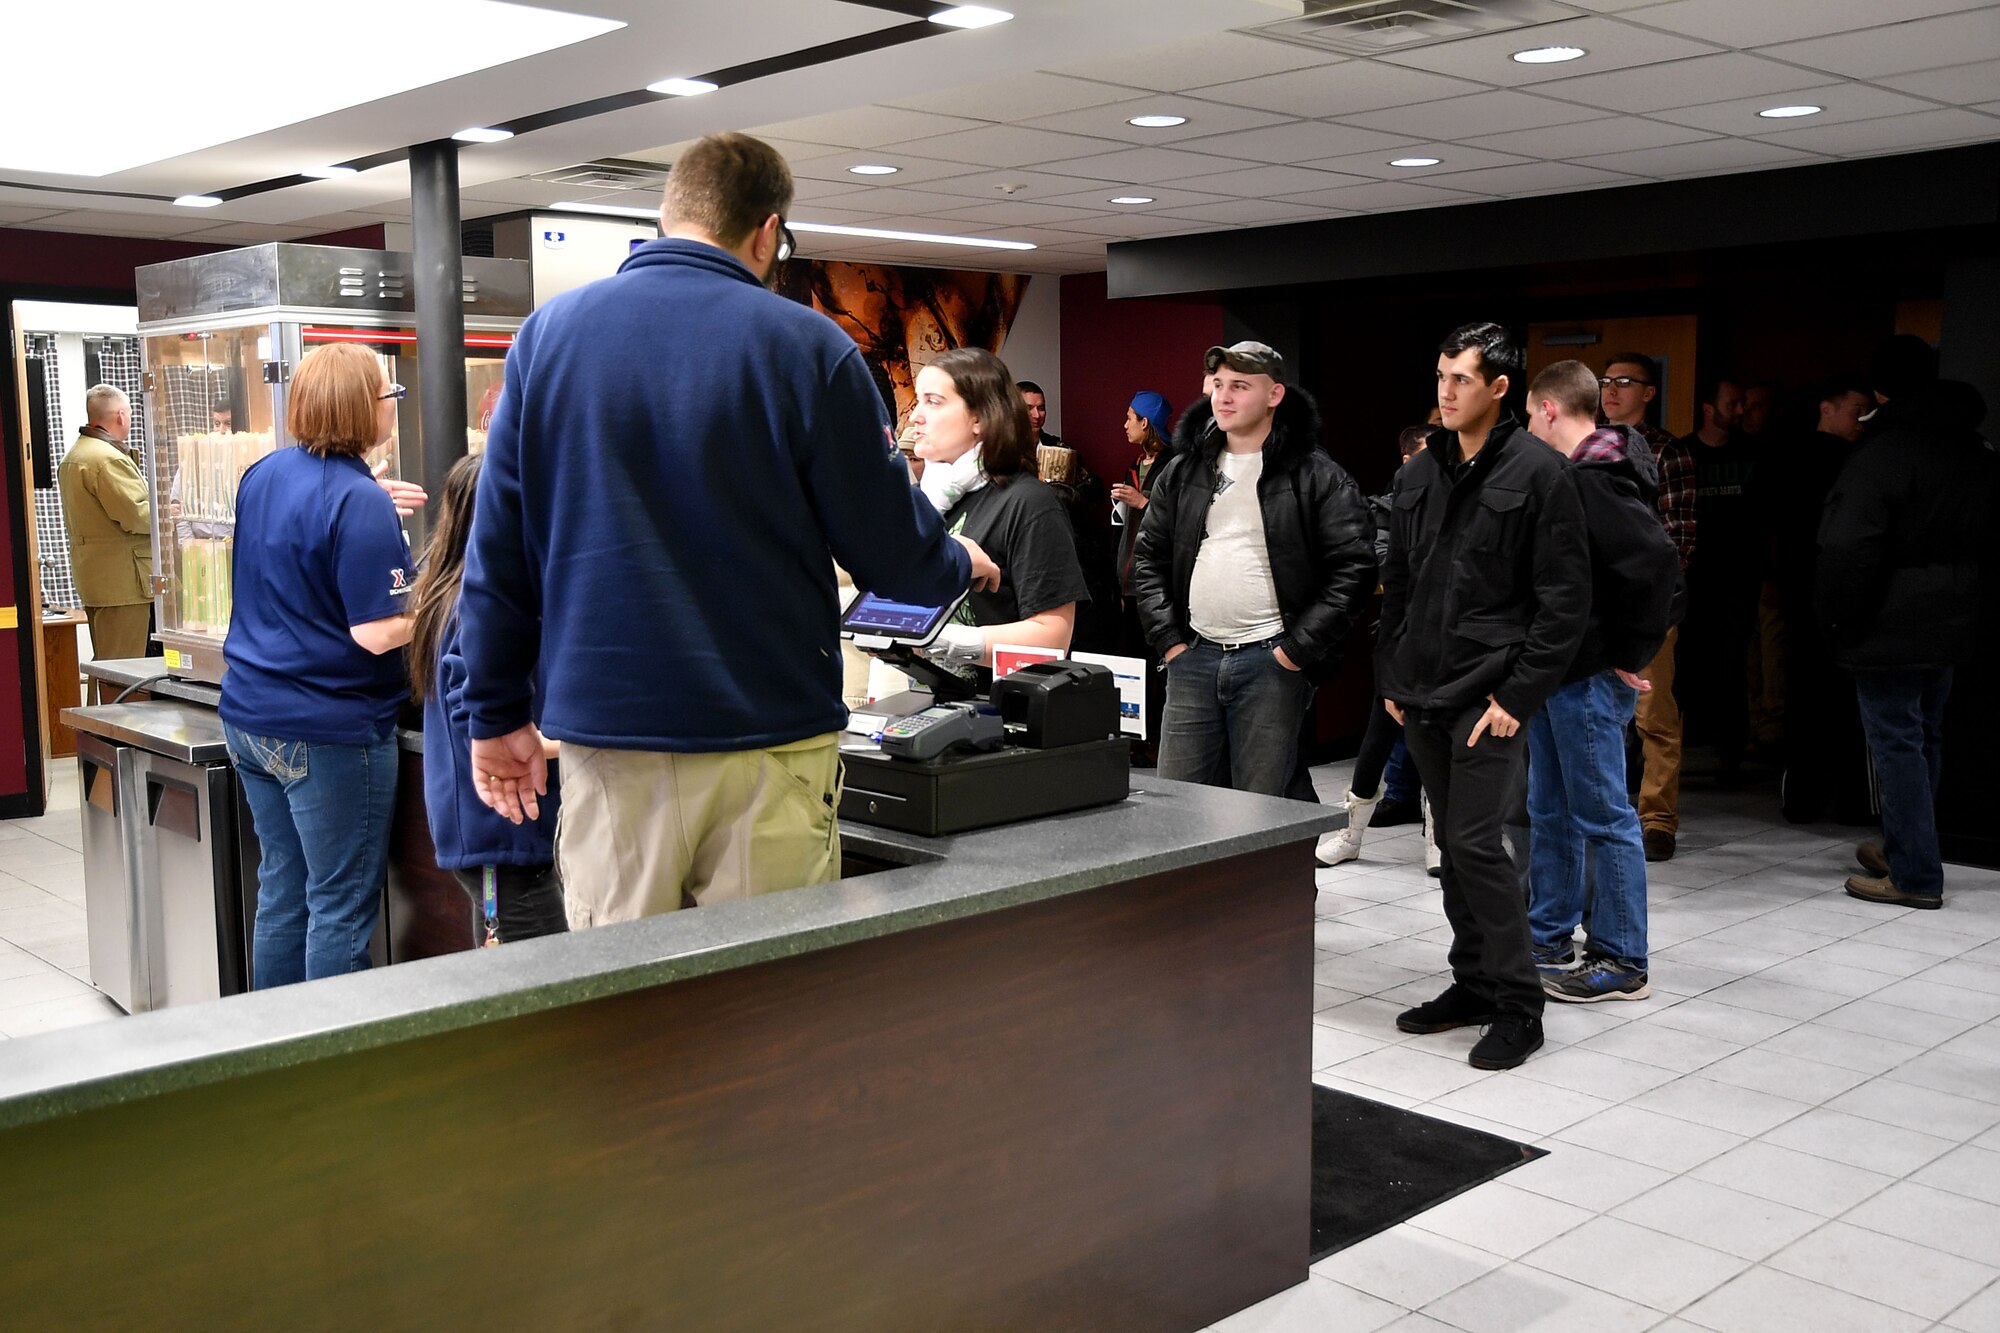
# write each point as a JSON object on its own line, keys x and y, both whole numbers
{"x": 399, "y": 583}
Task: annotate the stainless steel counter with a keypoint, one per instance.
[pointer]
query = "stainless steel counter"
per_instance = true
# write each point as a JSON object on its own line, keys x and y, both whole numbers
{"x": 188, "y": 732}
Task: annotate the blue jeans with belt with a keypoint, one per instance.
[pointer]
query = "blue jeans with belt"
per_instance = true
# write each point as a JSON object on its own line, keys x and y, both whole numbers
{"x": 1584, "y": 835}
{"x": 322, "y": 816}
{"x": 1232, "y": 717}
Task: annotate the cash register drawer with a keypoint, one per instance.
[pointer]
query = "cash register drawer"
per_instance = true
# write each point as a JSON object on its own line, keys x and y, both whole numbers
{"x": 966, "y": 792}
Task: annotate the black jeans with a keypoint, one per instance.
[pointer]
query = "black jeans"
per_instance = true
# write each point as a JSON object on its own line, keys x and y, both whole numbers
{"x": 1474, "y": 793}
{"x": 1377, "y": 743}
{"x": 530, "y": 901}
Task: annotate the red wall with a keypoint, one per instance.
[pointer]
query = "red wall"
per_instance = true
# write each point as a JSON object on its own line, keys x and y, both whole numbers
{"x": 105, "y": 263}
{"x": 1114, "y": 349}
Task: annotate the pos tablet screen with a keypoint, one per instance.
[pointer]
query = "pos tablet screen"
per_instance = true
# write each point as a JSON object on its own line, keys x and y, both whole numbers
{"x": 875, "y": 622}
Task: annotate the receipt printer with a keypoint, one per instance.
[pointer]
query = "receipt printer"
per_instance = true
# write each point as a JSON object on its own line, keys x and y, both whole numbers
{"x": 1047, "y": 705}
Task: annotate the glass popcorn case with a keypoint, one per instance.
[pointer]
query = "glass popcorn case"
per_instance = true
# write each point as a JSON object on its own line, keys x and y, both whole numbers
{"x": 221, "y": 335}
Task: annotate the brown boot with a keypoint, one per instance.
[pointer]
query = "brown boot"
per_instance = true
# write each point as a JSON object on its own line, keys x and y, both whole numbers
{"x": 1871, "y": 858}
{"x": 1884, "y": 890}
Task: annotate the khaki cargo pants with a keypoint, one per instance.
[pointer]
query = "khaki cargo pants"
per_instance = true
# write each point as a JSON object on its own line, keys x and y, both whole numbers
{"x": 644, "y": 832}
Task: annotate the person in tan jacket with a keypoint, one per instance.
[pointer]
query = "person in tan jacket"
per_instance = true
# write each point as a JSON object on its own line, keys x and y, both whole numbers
{"x": 110, "y": 520}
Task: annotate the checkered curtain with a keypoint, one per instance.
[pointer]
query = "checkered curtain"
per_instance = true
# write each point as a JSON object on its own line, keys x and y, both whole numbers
{"x": 118, "y": 364}
{"x": 58, "y": 587}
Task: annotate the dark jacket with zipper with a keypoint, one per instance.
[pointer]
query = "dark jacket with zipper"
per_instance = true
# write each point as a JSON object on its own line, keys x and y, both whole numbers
{"x": 1487, "y": 589}
{"x": 1316, "y": 528}
{"x": 1635, "y": 571}
{"x": 1906, "y": 541}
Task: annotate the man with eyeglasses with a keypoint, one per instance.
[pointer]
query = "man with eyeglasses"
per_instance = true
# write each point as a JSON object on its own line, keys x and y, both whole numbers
{"x": 1626, "y": 389}
{"x": 678, "y": 458}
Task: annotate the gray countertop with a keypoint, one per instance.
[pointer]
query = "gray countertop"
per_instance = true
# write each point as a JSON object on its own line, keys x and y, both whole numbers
{"x": 127, "y": 671}
{"x": 188, "y": 732}
{"x": 1162, "y": 826}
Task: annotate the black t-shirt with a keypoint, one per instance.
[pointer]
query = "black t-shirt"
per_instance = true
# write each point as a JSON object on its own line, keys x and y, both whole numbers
{"x": 1727, "y": 530}
{"x": 1024, "y": 527}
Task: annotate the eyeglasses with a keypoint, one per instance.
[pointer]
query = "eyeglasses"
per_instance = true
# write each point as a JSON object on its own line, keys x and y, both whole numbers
{"x": 1622, "y": 382}
{"x": 788, "y": 244}
{"x": 395, "y": 391}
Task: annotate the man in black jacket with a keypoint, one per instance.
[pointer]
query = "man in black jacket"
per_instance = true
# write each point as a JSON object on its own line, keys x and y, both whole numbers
{"x": 1252, "y": 563}
{"x": 1585, "y": 841}
{"x": 1906, "y": 553}
{"x": 1485, "y": 599}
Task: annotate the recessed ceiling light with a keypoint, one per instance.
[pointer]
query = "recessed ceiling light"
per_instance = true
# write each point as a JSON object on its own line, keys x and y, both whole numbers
{"x": 434, "y": 43}
{"x": 196, "y": 201}
{"x": 327, "y": 173}
{"x": 970, "y": 16}
{"x": 481, "y": 135}
{"x": 1413, "y": 161}
{"x": 1131, "y": 199}
{"x": 682, "y": 87}
{"x": 874, "y": 169}
{"x": 1790, "y": 112}
{"x": 1549, "y": 55}
{"x": 1157, "y": 122}
{"x": 928, "y": 238}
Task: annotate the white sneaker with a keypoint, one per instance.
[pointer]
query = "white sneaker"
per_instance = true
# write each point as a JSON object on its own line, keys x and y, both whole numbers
{"x": 1345, "y": 844}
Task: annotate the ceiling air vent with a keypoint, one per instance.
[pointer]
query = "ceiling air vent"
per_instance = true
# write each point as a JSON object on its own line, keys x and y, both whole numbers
{"x": 1383, "y": 27}
{"x": 611, "y": 173}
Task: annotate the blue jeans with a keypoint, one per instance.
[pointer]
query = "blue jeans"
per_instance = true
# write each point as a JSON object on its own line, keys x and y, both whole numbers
{"x": 322, "y": 818}
{"x": 1584, "y": 835}
{"x": 1902, "y": 713}
{"x": 1399, "y": 776}
{"x": 1235, "y": 713}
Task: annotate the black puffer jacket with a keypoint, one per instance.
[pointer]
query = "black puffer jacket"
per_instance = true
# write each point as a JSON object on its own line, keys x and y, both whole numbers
{"x": 1635, "y": 572}
{"x": 1316, "y": 528}
{"x": 1487, "y": 589}
{"x": 1906, "y": 542}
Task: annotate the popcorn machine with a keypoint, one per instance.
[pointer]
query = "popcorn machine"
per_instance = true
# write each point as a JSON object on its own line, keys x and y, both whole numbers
{"x": 221, "y": 335}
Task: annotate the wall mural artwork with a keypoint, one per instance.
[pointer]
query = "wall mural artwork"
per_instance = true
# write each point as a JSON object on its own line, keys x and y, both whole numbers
{"x": 902, "y": 318}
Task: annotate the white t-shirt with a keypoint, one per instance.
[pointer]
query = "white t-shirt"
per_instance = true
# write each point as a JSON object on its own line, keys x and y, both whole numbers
{"x": 1231, "y": 598}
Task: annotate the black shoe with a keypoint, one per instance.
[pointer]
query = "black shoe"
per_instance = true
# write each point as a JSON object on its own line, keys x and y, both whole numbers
{"x": 1456, "y": 1008}
{"x": 1507, "y": 1042}
{"x": 1659, "y": 844}
{"x": 1391, "y": 813}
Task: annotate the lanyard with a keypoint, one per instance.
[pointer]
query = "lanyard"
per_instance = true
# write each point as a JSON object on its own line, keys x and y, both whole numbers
{"x": 489, "y": 896}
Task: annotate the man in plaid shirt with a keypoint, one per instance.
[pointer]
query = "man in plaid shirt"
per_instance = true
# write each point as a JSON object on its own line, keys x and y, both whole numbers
{"x": 1630, "y": 382}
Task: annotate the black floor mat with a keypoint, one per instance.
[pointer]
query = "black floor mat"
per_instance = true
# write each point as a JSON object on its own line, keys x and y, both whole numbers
{"x": 1375, "y": 1165}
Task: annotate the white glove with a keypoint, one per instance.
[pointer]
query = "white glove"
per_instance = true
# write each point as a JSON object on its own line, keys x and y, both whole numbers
{"x": 958, "y": 645}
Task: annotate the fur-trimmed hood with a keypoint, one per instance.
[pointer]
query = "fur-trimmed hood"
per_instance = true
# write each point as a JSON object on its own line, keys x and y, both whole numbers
{"x": 1294, "y": 429}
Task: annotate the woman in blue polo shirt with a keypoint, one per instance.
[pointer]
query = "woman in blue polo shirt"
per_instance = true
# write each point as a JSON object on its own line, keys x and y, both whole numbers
{"x": 313, "y": 679}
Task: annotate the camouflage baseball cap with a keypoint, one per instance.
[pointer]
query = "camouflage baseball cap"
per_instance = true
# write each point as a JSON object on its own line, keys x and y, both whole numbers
{"x": 1251, "y": 358}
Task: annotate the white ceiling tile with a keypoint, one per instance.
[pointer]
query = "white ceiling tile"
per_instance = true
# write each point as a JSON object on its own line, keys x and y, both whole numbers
{"x": 1385, "y": 195}
{"x": 889, "y": 199}
{"x": 1165, "y": 198}
{"x": 1762, "y": 22}
{"x": 1464, "y": 117}
{"x": 846, "y": 217}
{"x": 1609, "y": 6}
{"x": 1296, "y": 142}
{"x": 14, "y": 217}
{"x": 911, "y": 169}
{"x": 1358, "y": 85}
{"x": 1682, "y": 83}
{"x": 1534, "y": 178}
{"x": 1144, "y": 166}
{"x": 865, "y": 127}
{"x": 1254, "y": 212}
{"x": 1610, "y": 44}
{"x": 1264, "y": 182}
{"x": 1007, "y": 213}
{"x": 1709, "y": 156}
{"x": 1617, "y": 135}
{"x": 1990, "y": 108}
{"x": 807, "y": 188}
{"x": 1925, "y": 129}
{"x": 95, "y": 223}
{"x": 1451, "y": 157}
{"x": 1901, "y": 48}
{"x": 1006, "y": 99}
{"x": 1961, "y": 85}
{"x": 1034, "y": 186}
{"x": 1843, "y": 102}
{"x": 1190, "y": 63}
{"x": 1125, "y": 226}
{"x": 1110, "y": 122}
{"x": 1002, "y": 146}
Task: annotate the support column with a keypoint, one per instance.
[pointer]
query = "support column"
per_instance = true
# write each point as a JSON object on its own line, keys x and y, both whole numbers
{"x": 439, "y": 284}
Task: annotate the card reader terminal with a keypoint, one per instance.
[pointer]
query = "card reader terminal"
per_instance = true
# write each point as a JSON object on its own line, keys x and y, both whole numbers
{"x": 929, "y": 734}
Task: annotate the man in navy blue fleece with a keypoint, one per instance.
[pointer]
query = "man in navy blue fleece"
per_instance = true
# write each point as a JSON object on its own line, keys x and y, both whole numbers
{"x": 678, "y": 458}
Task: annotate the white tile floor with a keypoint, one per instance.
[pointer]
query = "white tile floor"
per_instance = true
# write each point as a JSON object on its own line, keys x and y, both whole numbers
{"x": 1799, "y": 1130}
